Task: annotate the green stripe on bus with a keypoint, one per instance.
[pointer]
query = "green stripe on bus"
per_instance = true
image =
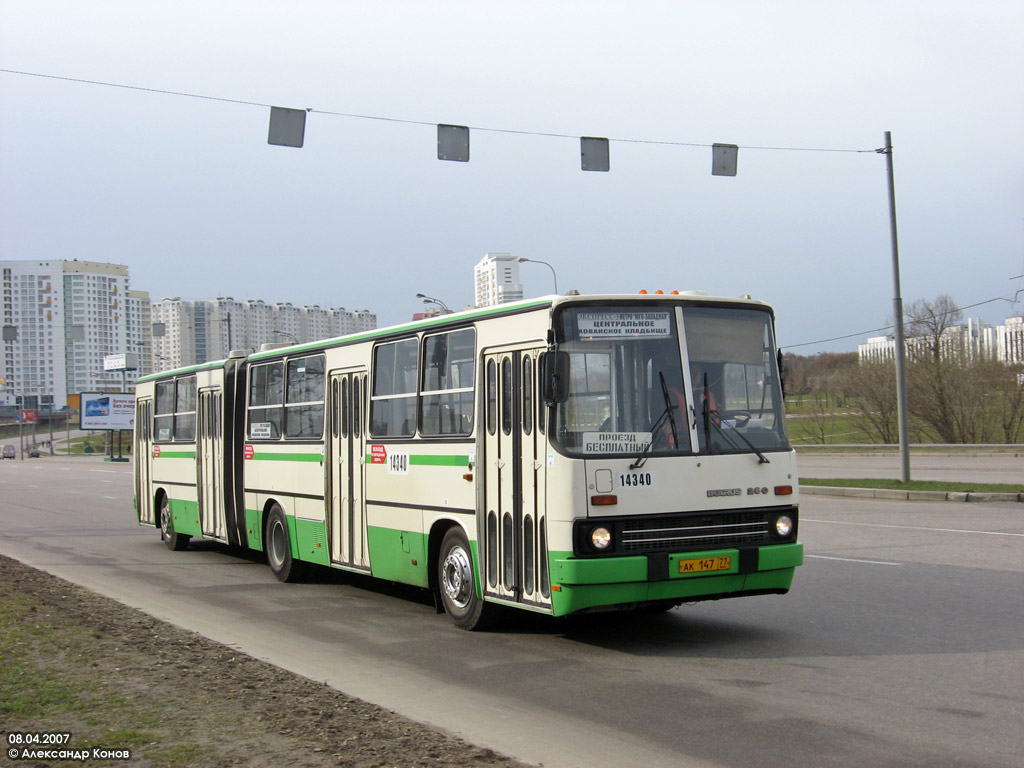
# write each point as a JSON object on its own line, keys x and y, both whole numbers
{"x": 287, "y": 457}
{"x": 440, "y": 461}
{"x": 175, "y": 455}
{"x": 428, "y": 460}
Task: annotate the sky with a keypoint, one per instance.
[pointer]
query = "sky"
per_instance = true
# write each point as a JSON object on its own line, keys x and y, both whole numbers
{"x": 186, "y": 191}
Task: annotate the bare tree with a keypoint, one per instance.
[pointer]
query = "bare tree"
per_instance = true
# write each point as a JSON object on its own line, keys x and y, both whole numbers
{"x": 929, "y": 321}
{"x": 871, "y": 392}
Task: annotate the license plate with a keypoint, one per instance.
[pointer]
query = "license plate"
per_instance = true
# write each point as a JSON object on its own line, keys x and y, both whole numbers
{"x": 705, "y": 564}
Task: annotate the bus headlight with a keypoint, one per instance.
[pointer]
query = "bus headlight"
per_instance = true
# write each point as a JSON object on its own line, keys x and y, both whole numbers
{"x": 783, "y": 525}
{"x": 600, "y": 538}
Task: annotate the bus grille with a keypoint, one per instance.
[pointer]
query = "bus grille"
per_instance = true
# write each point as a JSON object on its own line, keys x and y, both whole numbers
{"x": 676, "y": 533}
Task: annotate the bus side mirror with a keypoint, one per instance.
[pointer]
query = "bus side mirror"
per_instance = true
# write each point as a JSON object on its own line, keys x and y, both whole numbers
{"x": 782, "y": 374}
{"x": 555, "y": 370}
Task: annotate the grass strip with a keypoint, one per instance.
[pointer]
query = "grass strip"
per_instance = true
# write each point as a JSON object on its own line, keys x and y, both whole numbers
{"x": 913, "y": 485}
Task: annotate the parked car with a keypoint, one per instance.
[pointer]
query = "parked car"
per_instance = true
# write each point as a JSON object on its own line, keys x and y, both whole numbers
{"x": 33, "y": 453}
{"x": 9, "y": 452}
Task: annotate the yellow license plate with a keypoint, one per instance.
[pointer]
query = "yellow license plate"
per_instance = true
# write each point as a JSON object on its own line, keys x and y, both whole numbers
{"x": 705, "y": 564}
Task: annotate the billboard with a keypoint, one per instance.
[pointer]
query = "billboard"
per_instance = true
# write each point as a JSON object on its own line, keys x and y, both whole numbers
{"x": 107, "y": 410}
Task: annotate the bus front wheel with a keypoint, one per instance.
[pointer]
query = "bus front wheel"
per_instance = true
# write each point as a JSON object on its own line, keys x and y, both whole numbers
{"x": 279, "y": 548}
{"x": 457, "y": 582}
{"x": 174, "y": 541}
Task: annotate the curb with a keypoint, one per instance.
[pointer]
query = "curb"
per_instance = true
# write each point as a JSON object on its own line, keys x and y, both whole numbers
{"x": 897, "y": 495}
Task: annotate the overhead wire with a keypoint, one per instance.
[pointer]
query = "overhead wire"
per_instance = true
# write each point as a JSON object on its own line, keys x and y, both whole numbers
{"x": 905, "y": 317}
{"x": 357, "y": 116}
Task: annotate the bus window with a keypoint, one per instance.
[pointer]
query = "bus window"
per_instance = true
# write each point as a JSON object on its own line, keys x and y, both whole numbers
{"x": 266, "y": 401}
{"x": 393, "y": 402}
{"x": 492, "y": 397}
{"x": 185, "y": 409}
{"x": 528, "y": 395}
{"x": 304, "y": 406}
{"x": 506, "y": 396}
{"x": 447, "y": 391}
{"x": 163, "y": 421}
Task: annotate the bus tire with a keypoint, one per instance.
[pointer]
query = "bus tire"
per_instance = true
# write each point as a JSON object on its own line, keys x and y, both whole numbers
{"x": 279, "y": 548}
{"x": 175, "y": 542}
{"x": 456, "y": 581}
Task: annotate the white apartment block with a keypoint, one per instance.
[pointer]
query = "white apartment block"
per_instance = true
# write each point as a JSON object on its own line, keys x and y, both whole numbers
{"x": 195, "y": 331}
{"x": 975, "y": 340}
{"x": 60, "y": 319}
{"x": 496, "y": 278}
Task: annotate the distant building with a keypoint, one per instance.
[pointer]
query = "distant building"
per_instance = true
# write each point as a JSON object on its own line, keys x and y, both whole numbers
{"x": 61, "y": 318}
{"x": 430, "y": 312}
{"x": 195, "y": 331}
{"x": 496, "y": 277}
{"x": 975, "y": 340}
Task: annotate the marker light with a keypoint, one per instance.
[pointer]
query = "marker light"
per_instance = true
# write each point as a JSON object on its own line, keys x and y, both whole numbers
{"x": 604, "y": 500}
{"x": 783, "y": 490}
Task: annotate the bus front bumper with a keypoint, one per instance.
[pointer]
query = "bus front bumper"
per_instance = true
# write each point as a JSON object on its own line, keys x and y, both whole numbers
{"x": 581, "y": 583}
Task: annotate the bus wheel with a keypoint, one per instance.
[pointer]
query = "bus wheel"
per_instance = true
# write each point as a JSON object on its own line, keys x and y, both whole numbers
{"x": 457, "y": 583}
{"x": 279, "y": 548}
{"x": 174, "y": 541}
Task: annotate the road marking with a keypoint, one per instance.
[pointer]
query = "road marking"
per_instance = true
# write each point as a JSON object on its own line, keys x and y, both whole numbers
{"x": 111, "y": 471}
{"x": 852, "y": 560}
{"x": 910, "y": 527}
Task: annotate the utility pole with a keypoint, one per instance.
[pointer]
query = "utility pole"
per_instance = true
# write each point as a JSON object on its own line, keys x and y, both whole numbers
{"x": 897, "y": 308}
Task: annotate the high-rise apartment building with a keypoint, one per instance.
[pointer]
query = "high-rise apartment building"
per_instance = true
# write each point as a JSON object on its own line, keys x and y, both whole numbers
{"x": 60, "y": 319}
{"x": 195, "y": 331}
{"x": 496, "y": 278}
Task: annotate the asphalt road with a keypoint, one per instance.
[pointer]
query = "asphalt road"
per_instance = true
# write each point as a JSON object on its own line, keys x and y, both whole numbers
{"x": 958, "y": 467}
{"x": 901, "y": 643}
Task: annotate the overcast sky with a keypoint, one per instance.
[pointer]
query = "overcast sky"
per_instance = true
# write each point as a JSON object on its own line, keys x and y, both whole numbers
{"x": 187, "y": 192}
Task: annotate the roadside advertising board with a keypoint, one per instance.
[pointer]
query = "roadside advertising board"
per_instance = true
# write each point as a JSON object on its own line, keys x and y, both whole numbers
{"x": 107, "y": 410}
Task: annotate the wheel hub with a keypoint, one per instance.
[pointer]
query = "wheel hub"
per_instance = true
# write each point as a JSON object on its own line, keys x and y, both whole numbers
{"x": 456, "y": 577}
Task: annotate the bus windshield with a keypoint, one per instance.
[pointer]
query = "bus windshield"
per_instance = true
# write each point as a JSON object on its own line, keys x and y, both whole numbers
{"x": 663, "y": 380}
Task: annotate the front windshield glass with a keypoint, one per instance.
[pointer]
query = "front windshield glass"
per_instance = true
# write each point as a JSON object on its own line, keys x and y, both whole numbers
{"x": 630, "y": 395}
{"x": 733, "y": 371}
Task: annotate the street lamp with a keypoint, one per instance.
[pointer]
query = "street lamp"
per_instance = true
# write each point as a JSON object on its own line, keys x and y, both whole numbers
{"x": 432, "y": 300}
{"x": 287, "y": 336}
{"x": 538, "y": 261}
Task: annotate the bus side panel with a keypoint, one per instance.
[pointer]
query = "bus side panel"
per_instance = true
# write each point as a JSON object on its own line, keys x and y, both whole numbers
{"x": 254, "y": 529}
{"x": 398, "y": 555}
{"x": 310, "y": 537}
{"x": 185, "y": 516}
{"x": 174, "y": 473}
{"x": 408, "y": 487}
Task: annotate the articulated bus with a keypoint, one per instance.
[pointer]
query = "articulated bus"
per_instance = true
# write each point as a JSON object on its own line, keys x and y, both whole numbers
{"x": 561, "y": 454}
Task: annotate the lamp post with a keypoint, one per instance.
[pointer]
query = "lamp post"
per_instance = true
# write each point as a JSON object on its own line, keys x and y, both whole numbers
{"x": 289, "y": 336}
{"x": 432, "y": 300}
{"x": 538, "y": 261}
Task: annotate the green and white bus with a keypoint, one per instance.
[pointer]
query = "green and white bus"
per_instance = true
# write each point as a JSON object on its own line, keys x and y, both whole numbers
{"x": 562, "y": 454}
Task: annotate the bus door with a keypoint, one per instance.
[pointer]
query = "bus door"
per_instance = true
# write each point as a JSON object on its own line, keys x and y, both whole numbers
{"x": 144, "y": 460}
{"x": 513, "y": 535}
{"x": 346, "y": 451}
{"x": 210, "y": 463}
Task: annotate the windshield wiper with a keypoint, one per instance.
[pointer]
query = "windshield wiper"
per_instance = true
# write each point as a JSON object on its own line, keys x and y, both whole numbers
{"x": 656, "y": 426}
{"x": 710, "y": 412}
